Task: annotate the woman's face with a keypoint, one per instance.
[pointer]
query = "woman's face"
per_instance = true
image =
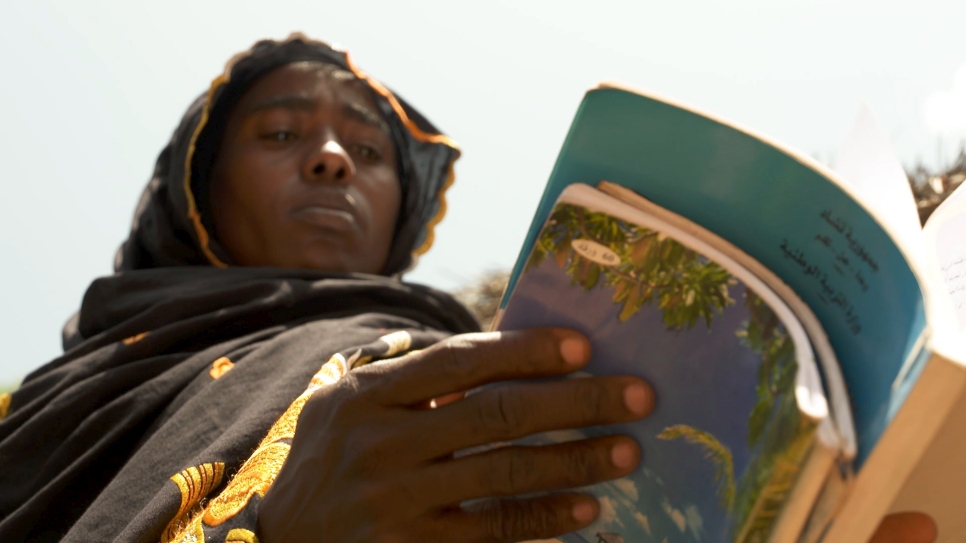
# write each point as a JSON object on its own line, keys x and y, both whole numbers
{"x": 306, "y": 175}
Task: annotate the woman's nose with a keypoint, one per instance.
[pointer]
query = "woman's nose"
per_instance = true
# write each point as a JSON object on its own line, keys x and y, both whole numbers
{"x": 331, "y": 163}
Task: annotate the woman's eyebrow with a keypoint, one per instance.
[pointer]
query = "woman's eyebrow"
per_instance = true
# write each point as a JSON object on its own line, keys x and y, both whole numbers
{"x": 354, "y": 110}
{"x": 361, "y": 112}
{"x": 287, "y": 101}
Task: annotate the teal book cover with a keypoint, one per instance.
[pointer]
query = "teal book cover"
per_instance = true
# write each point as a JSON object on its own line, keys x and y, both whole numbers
{"x": 781, "y": 208}
{"x": 727, "y": 437}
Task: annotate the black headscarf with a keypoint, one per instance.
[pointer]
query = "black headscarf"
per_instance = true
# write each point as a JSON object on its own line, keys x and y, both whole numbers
{"x": 140, "y": 429}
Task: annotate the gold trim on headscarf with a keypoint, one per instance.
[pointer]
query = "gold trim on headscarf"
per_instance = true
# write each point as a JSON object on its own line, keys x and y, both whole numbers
{"x": 417, "y": 132}
{"x": 5, "y": 399}
{"x": 440, "y": 214}
{"x": 193, "y": 214}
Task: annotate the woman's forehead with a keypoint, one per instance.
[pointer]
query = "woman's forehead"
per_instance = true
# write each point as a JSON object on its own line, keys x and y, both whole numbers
{"x": 305, "y": 85}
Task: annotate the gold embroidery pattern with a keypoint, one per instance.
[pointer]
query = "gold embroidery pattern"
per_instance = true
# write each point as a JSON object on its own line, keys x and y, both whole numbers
{"x": 357, "y": 360}
{"x": 284, "y": 427}
{"x": 194, "y": 483}
{"x": 192, "y": 532}
{"x": 331, "y": 372}
{"x": 398, "y": 342}
{"x": 259, "y": 472}
{"x": 5, "y": 404}
{"x": 240, "y": 535}
{"x": 134, "y": 339}
{"x": 254, "y": 477}
{"x": 220, "y": 367}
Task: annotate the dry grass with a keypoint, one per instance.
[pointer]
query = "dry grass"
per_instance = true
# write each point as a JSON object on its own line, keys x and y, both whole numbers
{"x": 483, "y": 297}
{"x": 931, "y": 188}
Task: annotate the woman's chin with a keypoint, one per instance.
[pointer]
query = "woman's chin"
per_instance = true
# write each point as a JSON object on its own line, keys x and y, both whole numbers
{"x": 339, "y": 263}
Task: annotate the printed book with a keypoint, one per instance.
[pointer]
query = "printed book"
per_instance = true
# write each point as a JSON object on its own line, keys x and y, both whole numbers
{"x": 807, "y": 348}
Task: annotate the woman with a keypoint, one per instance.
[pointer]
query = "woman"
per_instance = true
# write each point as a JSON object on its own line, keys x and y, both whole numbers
{"x": 262, "y": 266}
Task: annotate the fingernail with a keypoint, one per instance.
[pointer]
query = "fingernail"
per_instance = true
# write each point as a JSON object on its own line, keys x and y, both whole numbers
{"x": 574, "y": 350}
{"x": 583, "y": 512}
{"x": 637, "y": 399}
{"x": 622, "y": 455}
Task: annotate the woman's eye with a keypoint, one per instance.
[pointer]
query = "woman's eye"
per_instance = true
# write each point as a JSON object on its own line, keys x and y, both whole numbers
{"x": 280, "y": 136}
{"x": 366, "y": 153}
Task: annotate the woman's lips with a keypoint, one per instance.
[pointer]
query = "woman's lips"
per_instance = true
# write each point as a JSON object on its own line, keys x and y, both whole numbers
{"x": 327, "y": 217}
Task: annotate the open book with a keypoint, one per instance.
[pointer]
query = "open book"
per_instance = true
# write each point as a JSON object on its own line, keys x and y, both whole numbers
{"x": 806, "y": 346}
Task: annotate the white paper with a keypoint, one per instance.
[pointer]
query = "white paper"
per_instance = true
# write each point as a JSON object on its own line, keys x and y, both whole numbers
{"x": 946, "y": 234}
{"x": 867, "y": 162}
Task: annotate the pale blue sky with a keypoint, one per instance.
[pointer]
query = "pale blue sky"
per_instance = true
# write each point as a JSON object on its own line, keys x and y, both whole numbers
{"x": 91, "y": 91}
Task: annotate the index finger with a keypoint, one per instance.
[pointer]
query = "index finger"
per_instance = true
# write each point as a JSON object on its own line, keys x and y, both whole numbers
{"x": 467, "y": 361}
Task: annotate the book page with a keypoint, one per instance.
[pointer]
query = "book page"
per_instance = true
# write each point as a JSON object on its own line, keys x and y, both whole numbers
{"x": 867, "y": 162}
{"x": 945, "y": 235}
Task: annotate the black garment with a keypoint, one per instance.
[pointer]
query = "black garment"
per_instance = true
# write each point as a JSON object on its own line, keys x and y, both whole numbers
{"x": 178, "y": 365}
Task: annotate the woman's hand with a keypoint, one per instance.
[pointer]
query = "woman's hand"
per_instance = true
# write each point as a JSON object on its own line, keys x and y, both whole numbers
{"x": 371, "y": 462}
